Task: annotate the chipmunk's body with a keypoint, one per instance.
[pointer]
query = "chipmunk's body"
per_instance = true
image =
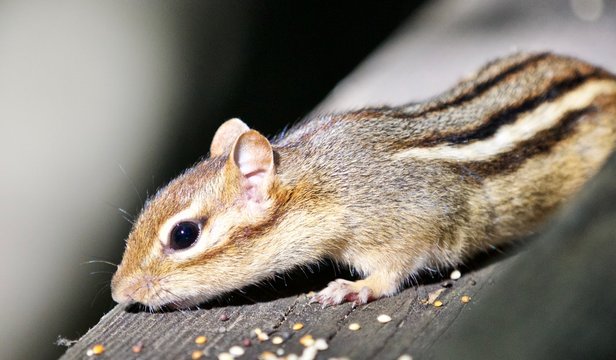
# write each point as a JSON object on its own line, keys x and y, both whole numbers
{"x": 388, "y": 191}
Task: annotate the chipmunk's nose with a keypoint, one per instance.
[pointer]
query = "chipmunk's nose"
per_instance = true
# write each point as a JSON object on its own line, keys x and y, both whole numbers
{"x": 122, "y": 296}
{"x": 138, "y": 288}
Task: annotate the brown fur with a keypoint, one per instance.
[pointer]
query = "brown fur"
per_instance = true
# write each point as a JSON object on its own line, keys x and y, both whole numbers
{"x": 341, "y": 186}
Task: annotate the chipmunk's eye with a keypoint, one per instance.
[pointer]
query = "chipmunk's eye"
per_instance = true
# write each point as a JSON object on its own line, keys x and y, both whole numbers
{"x": 183, "y": 235}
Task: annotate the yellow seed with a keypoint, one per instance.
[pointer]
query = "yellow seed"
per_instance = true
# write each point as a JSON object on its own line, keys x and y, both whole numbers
{"x": 200, "y": 340}
{"x": 262, "y": 336}
{"x": 277, "y": 340}
{"x": 465, "y": 299}
{"x": 438, "y": 303}
{"x": 298, "y": 326}
{"x": 197, "y": 354}
{"x": 307, "y": 340}
{"x": 354, "y": 327}
{"x": 96, "y": 350}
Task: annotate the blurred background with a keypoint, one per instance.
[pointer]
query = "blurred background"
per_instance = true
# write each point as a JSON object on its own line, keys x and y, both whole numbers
{"x": 101, "y": 103}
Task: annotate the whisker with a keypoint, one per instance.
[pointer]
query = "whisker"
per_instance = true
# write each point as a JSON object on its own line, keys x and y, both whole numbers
{"x": 99, "y": 262}
{"x": 100, "y": 272}
{"x": 131, "y": 182}
{"x": 98, "y": 293}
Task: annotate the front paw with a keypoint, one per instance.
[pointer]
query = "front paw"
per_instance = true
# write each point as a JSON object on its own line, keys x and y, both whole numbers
{"x": 341, "y": 290}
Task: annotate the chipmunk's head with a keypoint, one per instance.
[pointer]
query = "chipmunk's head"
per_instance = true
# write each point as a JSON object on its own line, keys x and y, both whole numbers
{"x": 196, "y": 238}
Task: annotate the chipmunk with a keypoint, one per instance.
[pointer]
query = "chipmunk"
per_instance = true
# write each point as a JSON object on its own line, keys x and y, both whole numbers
{"x": 387, "y": 191}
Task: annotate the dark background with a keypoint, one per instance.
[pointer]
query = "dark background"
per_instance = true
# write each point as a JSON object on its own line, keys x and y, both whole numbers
{"x": 267, "y": 62}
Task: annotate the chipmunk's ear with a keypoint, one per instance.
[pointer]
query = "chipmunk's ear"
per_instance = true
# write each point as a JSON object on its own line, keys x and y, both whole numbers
{"x": 252, "y": 156}
{"x": 226, "y": 135}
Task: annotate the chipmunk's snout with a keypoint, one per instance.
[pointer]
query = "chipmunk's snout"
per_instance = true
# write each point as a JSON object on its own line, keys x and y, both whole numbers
{"x": 140, "y": 288}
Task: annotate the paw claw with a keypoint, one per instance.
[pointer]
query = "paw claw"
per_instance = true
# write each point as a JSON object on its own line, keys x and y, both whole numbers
{"x": 340, "y": 291}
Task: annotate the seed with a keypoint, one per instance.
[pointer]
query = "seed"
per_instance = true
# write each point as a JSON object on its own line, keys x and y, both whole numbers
{"x": 465, "y": 299}
{"x": 197, "y": 354}
{"x": 267, "y": 355}
{"x": 321, "y": 344}
{"x": 137, "y": 347}
{"x": 405, "y": 357}
{"x": 279, "y": 352}
{"x": 354, "y": 326}
{"x": 223, "y": 317}
{"x": 262, "y": 336}
{"x": 222, "y": 329}
{"x": 307, "y": 340}
{"x": 383, "y": 318}
{"x": 246, "y": 342}
{"x": 455, "y": 275}
{"x": 298, "y": 326}
{"x": 277, "y": 340}
{"x": 225, "y": 356}
{"x": 236, "y": 351}
{"x": 200, "y": 340}
{"x": 438, "y": 303}
{"x": 96, "y": 350}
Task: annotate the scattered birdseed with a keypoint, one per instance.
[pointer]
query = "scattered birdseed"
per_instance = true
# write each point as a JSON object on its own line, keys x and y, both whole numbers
{"x": 438, "y": 303}
{"x": 236, "y": 351}
{"x": 383, "y": 318}
{"x": 434, "y": 295}
{"x": 222, "y": 329}
{"x": 223, "y": 317}
{"x": 455, "y": 275}
{"x": 354, "y": 326}
{"x": 309, "y": 353}
{"x": 405, "y": 357}
{"x": 292, "y": 357}
{"x": 262, "y": 336}
{"x": 137, "y": 347}
{"x": 197, "y": 354}
{"x": 279, "y": 351}
{"x": 225, "y": 356}
{"x": 200, "y": 340}
{"x": 321, "y": 344}
{"x": 311, "y": 294}
{"x": 307, "y": 340}
{"x": 96, "y": 350}
{"x": 465, "y": 299}
{"x": 277, "y": 340}
{"x": 246, "y": 342}
{"x": 298, "y": 326}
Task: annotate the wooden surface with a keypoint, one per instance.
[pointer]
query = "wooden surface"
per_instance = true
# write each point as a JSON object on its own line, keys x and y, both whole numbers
{"x": 415, "y": 328}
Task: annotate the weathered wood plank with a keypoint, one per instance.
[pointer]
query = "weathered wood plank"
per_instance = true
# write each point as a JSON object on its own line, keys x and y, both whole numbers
{"x": 414, "y": 328}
